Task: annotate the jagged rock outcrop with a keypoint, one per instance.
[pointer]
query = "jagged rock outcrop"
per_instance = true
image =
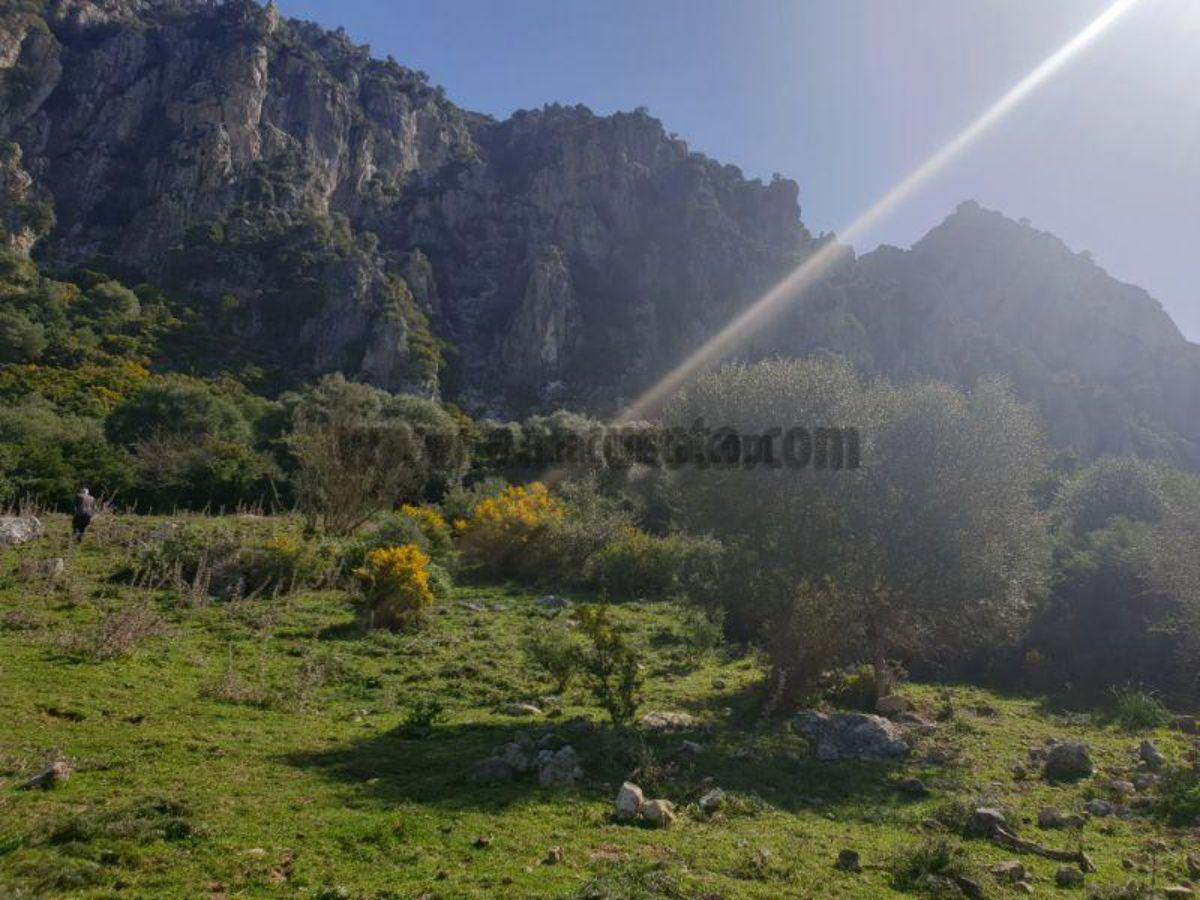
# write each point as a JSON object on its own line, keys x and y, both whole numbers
{"x": 323, "y": 210}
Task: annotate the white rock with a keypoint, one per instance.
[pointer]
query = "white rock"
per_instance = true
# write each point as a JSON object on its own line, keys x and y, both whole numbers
{"x": 17, "y": 530}
{"x": 629, "y": 802}
{"x": 659, "y": 813}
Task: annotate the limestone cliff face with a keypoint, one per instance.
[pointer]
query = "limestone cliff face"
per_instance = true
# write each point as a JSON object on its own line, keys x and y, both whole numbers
{"x": 215, "y": 148}
{"x": 321, "y": 210}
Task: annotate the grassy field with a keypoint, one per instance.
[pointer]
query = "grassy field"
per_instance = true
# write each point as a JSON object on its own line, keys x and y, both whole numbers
{"x": 267, "y": 748}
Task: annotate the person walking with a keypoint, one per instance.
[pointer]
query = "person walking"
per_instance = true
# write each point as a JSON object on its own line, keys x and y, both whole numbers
{"x": 85, "y": 508}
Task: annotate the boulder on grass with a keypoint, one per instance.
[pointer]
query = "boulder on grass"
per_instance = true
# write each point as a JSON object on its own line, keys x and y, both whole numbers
{"x": 17, "y": 530}
{"x": 1068, "y": 762}
{"x": 659, "y": 813}
{"x": 847, "y": 736}
{"x": 629, "y": 802}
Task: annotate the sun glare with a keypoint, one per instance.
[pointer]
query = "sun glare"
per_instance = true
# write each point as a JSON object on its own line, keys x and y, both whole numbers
{"x": 769, "y": 305}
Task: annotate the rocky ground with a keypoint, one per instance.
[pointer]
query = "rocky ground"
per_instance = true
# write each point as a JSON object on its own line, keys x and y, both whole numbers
{"x": 159, "y": 745}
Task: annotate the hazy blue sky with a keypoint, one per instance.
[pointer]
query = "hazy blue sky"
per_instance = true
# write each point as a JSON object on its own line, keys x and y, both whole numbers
{"x": 846, "y": 96}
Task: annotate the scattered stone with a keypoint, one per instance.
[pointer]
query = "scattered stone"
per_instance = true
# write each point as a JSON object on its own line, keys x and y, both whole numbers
{"x": 522, "y": 709}
{"x": 914, "y": 787}
{"x": 473, "y": 607}
{"x": 493, "y": 770}
{"x": 518, "y": 757}
{"x": 1178, "y": 890}
{"x": 29, "y": 569}
{"x": 629, "y": 802}
{"x": 942, "y": 754}
{"x": 1098, "y": 808}
{"x": 987, "y": 820}
{"x": 58, "y": 772}
{"x": 712, "y": 801}
{"x": 1068, "y": 761}
{"x": 689, "y": 750}
{"x": 1023, "y": 887}
{"x": 891, "y": 705}
{"x": 1144, "y": 781}
{"x": 1151, "y": 756}
{"x": 482, "y": 842}
{"x": 1049, "y": 817}
{"x": 17, "y": 530}
{"x": 1122, "y": 787}
{"x": 668, "y": 721}
{"x": 851, "y": 736}
{"x": 718, "y": 684}
{"x": 552, "y": 602}
{"x": 554, "y": 856}
{"x": 558, "y": 768}
{"x": 849, "y": 861}
{"x": 1009, "y": 872}
{"x": 1068, "y": 876}
{"x": 1187, "y": 724}
{"x": 659, "y": 813}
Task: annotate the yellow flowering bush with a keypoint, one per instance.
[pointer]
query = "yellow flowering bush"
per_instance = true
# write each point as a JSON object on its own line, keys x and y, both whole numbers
{"x": 395, "y": 587}
{"x": 431, "y": 524}
{"x": 501, "y": 527}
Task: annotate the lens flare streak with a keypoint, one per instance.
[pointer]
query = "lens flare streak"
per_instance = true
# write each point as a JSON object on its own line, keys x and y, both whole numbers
{"x": 766, "y": 308}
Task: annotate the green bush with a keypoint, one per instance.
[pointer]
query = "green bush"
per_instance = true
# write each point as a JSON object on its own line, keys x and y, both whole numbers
{"x": 611, "y": 664}
{"x": 852, "y": 689}
{"x": 557, "y": 652}
{"x": 636, "y": 564}
{"x": 461, "y": 500}
{"x": 1134, "y": 709}
{"x": 935, "y": 868}
{"x": 1179, "y": 797}
{"x": 421, "y": 717}
{"x": 283, "y": 564}
{"x": 194, "y": 553}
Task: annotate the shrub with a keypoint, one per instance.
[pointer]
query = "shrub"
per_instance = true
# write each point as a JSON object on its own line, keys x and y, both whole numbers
{"x": 432, "y": 526}
{"x": 501, "y": 528}
{"x": 702, "y": 633}
{"x": 119, "y": 633}
{"x": 460, "y": 501}
{"x": 1179, "y": 797}
{"x": 422, "y": 716}
{"x": 1138, "y": 710}
{"x": 206, "y": 560}
{"x": 640, "y": 564}
{"x": 562, "y": 551}
{"x": 611, "y": 664}
{"x": 283, "y": 563}
{"x": 853, "y": 689}
{"x": 557, "y": 652}
{"x": 937, "y": 868}
{"x": 395, "y": 587}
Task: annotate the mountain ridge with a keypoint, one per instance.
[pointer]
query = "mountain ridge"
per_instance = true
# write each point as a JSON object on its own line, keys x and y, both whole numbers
{"x": 322, "y": 210}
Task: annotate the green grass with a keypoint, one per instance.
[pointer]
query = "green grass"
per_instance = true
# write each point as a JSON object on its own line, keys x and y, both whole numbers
{"x": 269, "y": 748}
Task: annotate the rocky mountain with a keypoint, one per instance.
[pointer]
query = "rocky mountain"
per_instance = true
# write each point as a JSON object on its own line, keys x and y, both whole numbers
{"x": 318, "y": 209}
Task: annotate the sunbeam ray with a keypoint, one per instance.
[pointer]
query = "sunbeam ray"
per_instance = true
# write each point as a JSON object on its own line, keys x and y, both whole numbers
{"x": 762, "y": 311}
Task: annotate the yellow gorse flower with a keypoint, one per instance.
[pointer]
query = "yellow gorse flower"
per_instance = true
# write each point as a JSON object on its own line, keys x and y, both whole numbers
{"x": 395, "y": 581}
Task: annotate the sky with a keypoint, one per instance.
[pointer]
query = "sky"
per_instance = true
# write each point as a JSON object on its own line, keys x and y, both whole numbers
{"x": 848, "y": 96}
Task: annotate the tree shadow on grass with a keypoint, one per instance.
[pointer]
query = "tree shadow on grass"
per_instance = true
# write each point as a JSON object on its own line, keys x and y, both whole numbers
{"x": 437, "y": 771}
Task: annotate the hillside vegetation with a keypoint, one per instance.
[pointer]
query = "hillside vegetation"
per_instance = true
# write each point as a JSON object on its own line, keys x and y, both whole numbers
{"x": 270, "y": 746}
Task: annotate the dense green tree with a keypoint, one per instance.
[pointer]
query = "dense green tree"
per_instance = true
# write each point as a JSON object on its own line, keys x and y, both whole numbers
{"x": 177, "y": 406}
{"x": 47, "y": 456}
{"x": 931, "y": 541}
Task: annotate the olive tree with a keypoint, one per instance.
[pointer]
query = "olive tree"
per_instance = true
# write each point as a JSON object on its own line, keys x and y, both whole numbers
{"x": 919, "y": 536}
{"x": 359, "y": 450}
